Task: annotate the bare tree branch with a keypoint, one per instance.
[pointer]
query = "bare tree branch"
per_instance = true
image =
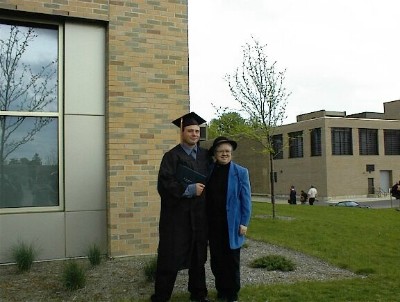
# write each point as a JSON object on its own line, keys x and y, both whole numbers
{"x": 22, "y": 89}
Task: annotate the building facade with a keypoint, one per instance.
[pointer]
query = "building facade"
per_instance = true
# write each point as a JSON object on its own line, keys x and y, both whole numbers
{"x": 341, "y": 155}
{"x": 85, "y": 118}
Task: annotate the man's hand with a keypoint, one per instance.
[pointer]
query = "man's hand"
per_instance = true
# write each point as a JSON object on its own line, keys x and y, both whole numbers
{"x": 199, "y": 189}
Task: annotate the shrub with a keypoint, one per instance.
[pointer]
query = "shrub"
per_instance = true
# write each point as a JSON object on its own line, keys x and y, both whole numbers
{"x": 365, "y": 271}
{"x": 94, "y": 255}
{"x": 150, "y": 269}
{"x": 23, "y": 254}
{"x": 274, "y": 263}
{"x": 73, "y": 276}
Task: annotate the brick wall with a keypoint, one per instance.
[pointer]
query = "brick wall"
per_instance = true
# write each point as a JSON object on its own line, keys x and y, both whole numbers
{"x": 88, "y": 9}
{"x": 147, "y": 88}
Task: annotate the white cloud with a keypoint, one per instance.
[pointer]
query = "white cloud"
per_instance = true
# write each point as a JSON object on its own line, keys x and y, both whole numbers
{"x": 340, "y": 55}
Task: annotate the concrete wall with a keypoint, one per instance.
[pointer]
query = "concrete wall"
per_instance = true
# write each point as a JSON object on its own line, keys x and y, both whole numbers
{"x": 392, "y": 110}
{"x": 81, "y": 220}
{"x": 119, "y": 104}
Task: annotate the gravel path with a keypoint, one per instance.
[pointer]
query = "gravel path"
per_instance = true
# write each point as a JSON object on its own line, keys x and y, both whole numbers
{"x": 307, "y": 268}
{"x": 123, "y": 279}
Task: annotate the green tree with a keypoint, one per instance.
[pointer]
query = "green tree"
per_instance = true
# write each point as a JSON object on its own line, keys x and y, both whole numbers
{"x": 227, "y": 124}
{"x": 258, "y": 86}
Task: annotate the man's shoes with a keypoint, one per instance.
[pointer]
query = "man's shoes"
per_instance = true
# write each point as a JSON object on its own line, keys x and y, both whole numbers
{"x": 154, "y": 298}
{"x": 223, "y": 297}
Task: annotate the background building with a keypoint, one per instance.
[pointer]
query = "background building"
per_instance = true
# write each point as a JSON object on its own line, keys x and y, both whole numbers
{"x": 341, "y": 155}
{"x": 80, "y": 167}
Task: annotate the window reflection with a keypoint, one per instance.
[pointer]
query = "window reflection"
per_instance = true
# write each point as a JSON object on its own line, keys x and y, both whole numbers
{"x": 29, "y": 115}
{"x": 28, "y": 78}
{"x": 29, "y": 173}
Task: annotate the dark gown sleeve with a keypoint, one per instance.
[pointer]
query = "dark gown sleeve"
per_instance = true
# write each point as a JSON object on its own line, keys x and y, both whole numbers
{"x": 168, "y": 186}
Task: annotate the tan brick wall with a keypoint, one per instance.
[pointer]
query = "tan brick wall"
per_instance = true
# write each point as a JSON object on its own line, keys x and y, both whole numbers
{"x": 88, "y": 9}
{"x": 147, "y": 88}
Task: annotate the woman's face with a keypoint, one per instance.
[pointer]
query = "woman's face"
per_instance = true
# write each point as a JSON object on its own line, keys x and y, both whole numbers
{"x": 223, "y": 153}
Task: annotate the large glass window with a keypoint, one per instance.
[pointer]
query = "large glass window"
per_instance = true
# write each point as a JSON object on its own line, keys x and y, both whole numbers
{"x": 316, "y": 145}
{"x": 277, "y": 145}
{"x": 342, "y": 143}
{"x": 296, "y": 144}
{"x": 29, "y": 115}
{"x": 392, "y": 141}
{"x": 368, "y": 141}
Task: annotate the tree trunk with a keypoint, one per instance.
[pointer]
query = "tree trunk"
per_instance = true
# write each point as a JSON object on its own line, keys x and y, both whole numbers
{"x": 272, "y": 182}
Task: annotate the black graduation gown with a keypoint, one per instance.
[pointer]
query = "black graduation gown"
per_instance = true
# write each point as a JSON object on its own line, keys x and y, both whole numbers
{"x": 183, "y": 224}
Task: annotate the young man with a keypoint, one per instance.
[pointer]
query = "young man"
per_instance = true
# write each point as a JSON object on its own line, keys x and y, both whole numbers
{"x": 183, "y": 224}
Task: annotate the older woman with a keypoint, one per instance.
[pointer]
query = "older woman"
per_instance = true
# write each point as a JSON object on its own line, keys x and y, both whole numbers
{"x": 228, "y": 197}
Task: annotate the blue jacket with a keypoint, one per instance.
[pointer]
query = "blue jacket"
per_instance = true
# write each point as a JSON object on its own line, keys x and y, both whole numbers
{"x": 238, "y": 203}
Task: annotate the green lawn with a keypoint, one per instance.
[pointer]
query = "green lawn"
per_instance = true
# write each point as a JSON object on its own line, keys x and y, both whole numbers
{"x": 365, "y": 241}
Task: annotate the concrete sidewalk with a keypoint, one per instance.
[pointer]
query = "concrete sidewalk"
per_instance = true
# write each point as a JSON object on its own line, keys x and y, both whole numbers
{"x": 283, "y": 200}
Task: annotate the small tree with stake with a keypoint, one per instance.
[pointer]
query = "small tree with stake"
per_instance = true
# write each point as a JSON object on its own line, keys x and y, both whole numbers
{"x": 258, "y": 87}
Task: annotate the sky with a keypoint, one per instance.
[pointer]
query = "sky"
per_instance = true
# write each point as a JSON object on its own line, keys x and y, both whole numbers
{"x": 341, "y": 55}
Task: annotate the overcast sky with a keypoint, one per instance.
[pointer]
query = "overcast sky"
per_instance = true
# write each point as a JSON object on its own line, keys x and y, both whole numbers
{"x": 341, "y": 55}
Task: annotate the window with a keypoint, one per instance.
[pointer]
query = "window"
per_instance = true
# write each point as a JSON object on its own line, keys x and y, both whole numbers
{"x": 316, "y": 148}
{"x": 29, "y": 115}
{"x": 368, "y": 141}
{"x": 370, "y": 168}
{"x": 392, "y": 141}
{"x": 296, "y": 144}
{"x": 277, "y": 145}
{"x": 342, "y": 141}
{"x": 371, "y": 186}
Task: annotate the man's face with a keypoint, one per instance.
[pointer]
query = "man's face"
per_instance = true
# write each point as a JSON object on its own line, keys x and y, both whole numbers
{"x": 223, "y": 153}
{"x": 191, "y": 135}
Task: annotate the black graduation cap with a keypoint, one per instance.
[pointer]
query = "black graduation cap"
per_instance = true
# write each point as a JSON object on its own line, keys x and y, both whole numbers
{"x": 188, "y": 119}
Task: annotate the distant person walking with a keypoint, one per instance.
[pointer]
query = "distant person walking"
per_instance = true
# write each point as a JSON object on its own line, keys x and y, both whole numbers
{"x": 312, "y": 194}
{"x": 292, "y": 195}
{"x": 303, "y": 197}
{"x": 395, "y": 190}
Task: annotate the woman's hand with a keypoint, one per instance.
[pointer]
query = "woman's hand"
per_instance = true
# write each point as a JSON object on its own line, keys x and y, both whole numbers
{"x": 242, "y": 230}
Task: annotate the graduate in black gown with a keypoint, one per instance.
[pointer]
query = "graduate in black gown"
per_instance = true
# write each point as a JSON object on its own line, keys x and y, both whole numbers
{"x": 183, "y": 224}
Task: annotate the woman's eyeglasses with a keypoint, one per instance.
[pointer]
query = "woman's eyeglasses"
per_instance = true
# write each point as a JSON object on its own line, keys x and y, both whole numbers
{"x": 223, "y": 152}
